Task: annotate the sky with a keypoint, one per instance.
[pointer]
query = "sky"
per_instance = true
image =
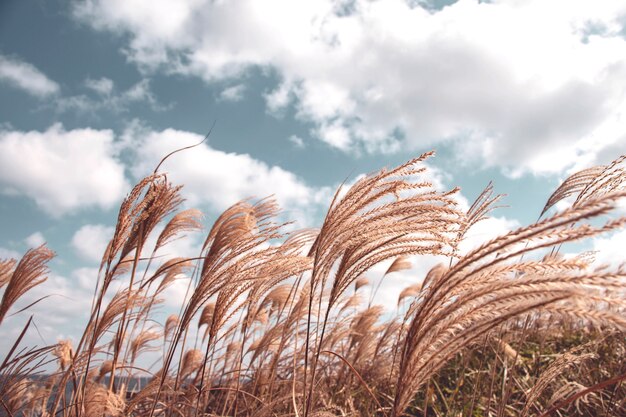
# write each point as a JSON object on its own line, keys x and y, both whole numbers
{"x": 302, "y": 96}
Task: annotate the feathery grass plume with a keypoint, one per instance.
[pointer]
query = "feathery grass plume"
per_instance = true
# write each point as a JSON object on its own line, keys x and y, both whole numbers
{"x": 105, "y": 368}
{"x": 206, "y": 318}
{"x": 383, "y": 216}
{"x": 112, "y": 313}
{"x": 482, "y": 291}
{"x": 261, "y": 309}
{"x": 141, "y": 343}
{"x": 287, "y": 261}
{"x": 130, "y": 211}
{"x": 18, "y": 395}
{"x": 64, "y": 353}
{"x": 351, "y": 302}
{"x": 160, "y": 200}
{"x": 170, "y": 325}
{"x": 573, "y": 185}
{"x": 401, "y": 263}
{"x": 363, "y": 323}
{"x": 272, "y": 264}
{"x": 30, "y": 271}
{"x": 233, "y": 244}
{"x": 100, "y": 401}
{"x": 140, "y": 402}
{"x": 480, "y": 209}
{"x": 283, "y": 331}
{"x": 122, "y": 268}
{"x": 360, "y": 283}
{"x": 6, "y": 270}
{"x": 411, "y": 291}
{"x": 364, "y": 228}
{"x": 572, "y": 388}
{"x": 192, "y": 360}
{"x": 169, "y": 271}
{"x": 232, "y": 350}
{"x": 434, "y": 274}
{"x": 261, "y": 316}
{"x": 150, "y": 201}
{"x": 611, "y": 179}
{"x": 237, "y": 254}
{"x": 573, "y": 357}
{"x": 277, "y": 298}
{"x": 17, "y": 371}
{"x": 287, "y": 333}
{"x": 184, "y": 221}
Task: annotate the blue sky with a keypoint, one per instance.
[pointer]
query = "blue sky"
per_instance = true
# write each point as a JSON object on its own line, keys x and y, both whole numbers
{"x": 303, "y": 95}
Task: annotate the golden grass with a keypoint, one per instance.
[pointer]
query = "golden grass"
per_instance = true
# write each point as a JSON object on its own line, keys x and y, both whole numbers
{"x": 275, "y": 323}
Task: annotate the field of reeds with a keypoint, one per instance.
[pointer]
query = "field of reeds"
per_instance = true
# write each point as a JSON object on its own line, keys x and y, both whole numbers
{"x": 277, "y": 322}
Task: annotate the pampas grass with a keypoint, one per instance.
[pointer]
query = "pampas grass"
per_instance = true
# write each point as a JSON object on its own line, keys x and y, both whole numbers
{"x": 277, "y": 322}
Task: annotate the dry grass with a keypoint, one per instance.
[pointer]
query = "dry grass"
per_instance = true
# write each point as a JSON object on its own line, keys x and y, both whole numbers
{"x": 276, "y": 323}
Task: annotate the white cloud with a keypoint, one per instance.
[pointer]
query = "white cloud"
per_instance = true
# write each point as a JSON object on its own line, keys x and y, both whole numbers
{"x": 611, "y": 250}
{"x": 35, "y": 240}
{"x": 218, "y": 178}
{"x": 387, "y": 75}
{"x": 102, "y": 85}
{"x": 86, "y": 277}
{"x": 91, "y": 240}
{"x": 485, "y": 231}
{"x": 297, "y": 141}
{"x": 108, "y": 98}
{"x": 9, "y": 253}
{"x": 234, "y": 93}
{"x": 279, "y": 98}
{"x": 139, "y": 92}
{"x": 60, "y": 170}
{"x": 27, "y": 77}
{"x": 335, "y": 134}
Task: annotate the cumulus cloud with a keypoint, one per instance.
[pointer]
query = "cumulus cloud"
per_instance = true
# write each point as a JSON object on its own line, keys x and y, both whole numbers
{"x": 91, "y": 240}
{"x": 610, "y": 250}
{"x": 62, "y": 170}
{"x": 9, "y": 253}
{"x": 297, "y": 141}
{"x": 108, "y": 98}
{"x": 102, "y": 85}
{"x": 35, "y": 240}
{"x": 234, "y": 93}
{"x": 75, "y": 169}
{"x": 26, "y": 77}
{"x": 386, "y": 75}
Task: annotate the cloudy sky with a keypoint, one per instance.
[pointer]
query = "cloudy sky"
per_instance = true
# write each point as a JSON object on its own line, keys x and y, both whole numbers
{"x": 303, "y": 95}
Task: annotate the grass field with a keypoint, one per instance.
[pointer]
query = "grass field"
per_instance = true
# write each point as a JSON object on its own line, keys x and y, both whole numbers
{"x": 277, "y": 322}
